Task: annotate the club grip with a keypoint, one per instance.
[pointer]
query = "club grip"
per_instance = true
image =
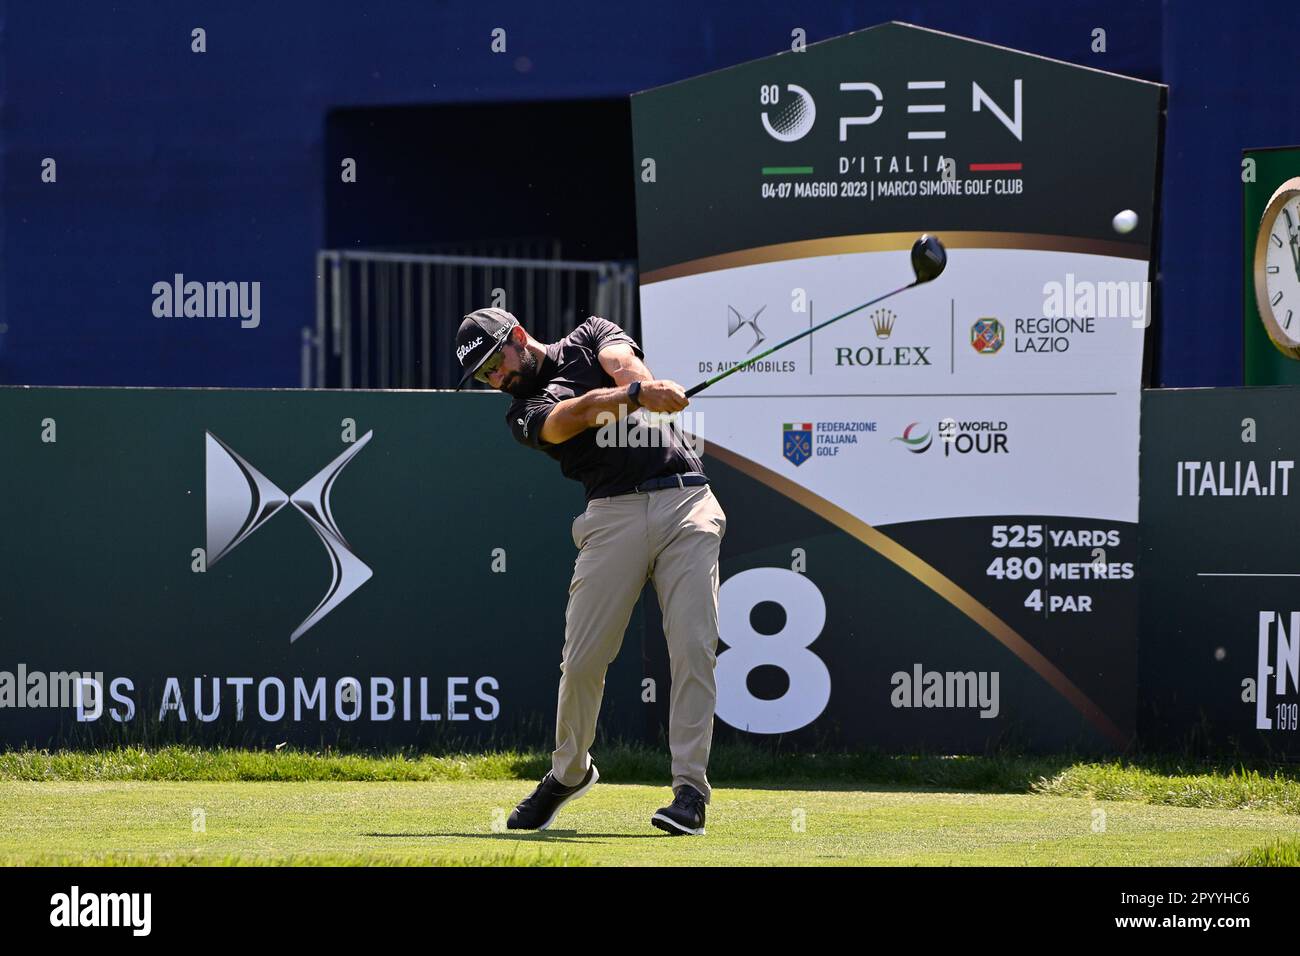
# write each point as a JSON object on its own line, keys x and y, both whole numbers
{"x": 696, "y": 388}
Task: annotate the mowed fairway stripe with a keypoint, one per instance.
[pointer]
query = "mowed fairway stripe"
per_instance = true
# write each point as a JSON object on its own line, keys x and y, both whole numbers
{"x": 452, "y": 822}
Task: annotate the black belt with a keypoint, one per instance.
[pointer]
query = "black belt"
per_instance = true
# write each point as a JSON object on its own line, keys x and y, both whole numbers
{"x": 687, "y": 479}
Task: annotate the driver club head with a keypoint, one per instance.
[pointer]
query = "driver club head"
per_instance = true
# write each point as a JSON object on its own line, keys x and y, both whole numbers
{"x": 928, "y": 258}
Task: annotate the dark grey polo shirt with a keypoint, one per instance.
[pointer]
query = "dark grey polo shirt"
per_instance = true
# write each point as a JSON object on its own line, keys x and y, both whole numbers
{"x": 571, "y": 368}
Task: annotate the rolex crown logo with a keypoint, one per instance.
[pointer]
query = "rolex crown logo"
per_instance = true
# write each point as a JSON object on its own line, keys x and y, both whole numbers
{"x": 883, "y": 322}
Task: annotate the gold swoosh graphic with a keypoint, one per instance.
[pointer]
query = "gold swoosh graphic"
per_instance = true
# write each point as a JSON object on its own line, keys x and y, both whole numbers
{"x": 932, "y": 578}
{"x": 896, "y": 242}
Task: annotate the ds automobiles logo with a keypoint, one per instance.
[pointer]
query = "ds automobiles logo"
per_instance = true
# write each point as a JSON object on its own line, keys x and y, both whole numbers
{"x": 240, "y": 499}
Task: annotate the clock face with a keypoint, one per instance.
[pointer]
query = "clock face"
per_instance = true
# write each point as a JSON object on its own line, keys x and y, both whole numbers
{"x": 1277, "y": 268}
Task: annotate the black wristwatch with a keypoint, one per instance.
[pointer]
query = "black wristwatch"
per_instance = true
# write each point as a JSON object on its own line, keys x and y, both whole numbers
{"x": 634, "y": 394}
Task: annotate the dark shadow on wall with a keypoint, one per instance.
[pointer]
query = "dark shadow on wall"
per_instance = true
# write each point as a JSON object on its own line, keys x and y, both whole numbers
{"x": 485, "y": 173}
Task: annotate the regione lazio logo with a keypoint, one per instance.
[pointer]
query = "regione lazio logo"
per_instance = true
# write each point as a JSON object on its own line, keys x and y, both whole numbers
{"x": 796, "y": 443}
{"x": 987, "y": 336}
{"x": 240, "y": 499}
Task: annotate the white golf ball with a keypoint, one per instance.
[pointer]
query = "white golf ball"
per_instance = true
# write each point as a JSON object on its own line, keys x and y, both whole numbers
{"x": 1125, "y": 222}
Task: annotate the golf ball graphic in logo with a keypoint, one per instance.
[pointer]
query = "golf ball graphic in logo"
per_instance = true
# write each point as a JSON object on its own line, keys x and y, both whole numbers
{"x": 792, "y": 119}
{"x": 915, "y": 442}
{"x": 987, "y": 336}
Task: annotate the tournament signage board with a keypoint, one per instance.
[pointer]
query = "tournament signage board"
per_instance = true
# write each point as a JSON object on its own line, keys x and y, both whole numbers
{"x": 954, "y": 557}
{"x": 1220, "y": 652}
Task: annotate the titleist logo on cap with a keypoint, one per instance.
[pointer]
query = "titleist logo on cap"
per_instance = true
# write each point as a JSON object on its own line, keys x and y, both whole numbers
{"x": 467, "y": 348}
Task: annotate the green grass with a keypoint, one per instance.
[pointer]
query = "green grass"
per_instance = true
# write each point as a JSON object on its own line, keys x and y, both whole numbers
{"x": 1155, "y": 780}
{"x": 622, "y": 763}
{"x": 1238, "y": 789}
{"x": 1278, "y": 853}
{"x": 222, "y": 764}
{"x": 452, "y": 822}
{"x": 135, "y": 806}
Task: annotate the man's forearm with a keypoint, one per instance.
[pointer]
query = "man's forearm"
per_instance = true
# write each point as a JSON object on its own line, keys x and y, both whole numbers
{"x": 603, "y": 401}
{"x": 575, "y": 415}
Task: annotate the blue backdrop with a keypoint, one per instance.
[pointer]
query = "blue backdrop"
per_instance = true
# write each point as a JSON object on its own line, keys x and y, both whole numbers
{"x": 214, "y": 165}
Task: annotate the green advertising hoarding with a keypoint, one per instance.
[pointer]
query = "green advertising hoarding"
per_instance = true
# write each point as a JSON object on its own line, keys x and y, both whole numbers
{"x": 1220, "y": 647}
{"x": 390, "y": 569}
{"x": 265, "y": 566}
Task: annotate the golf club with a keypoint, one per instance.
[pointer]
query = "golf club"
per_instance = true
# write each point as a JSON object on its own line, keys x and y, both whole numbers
{"x": 928, "y": 260}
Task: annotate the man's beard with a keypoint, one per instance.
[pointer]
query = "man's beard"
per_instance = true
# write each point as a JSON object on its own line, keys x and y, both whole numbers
{"x": 522, "y": 382}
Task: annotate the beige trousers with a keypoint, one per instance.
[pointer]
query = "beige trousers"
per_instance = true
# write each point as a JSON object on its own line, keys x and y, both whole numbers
{"x": 670, "y": 536}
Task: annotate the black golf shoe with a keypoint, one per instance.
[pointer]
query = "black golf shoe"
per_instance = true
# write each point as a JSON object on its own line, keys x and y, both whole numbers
{"x": 538, "y": 810}
{"x": 684, "y": 816}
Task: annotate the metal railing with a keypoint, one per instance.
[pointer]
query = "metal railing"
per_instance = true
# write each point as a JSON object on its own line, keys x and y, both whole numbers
{"x": 389, "y": 319}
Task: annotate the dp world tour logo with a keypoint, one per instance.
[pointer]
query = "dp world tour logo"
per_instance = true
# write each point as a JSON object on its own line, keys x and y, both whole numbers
{"x": 796, "y": 442}
{"x": 240, "y": 499}
{"x": 914, "y": 442}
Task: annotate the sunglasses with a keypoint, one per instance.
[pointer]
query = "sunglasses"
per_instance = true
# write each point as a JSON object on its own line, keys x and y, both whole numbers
{"x": 491, "y": 365}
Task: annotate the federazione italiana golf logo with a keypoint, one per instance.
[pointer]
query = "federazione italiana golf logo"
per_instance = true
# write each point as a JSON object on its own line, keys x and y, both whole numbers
{"x": 796, "y": 442}
{"x": 826, "y": 439}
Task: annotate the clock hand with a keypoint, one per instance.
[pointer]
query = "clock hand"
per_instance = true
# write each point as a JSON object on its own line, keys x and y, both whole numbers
{"x": 1292, "y": 231}
{"x": 1295, "y": 254}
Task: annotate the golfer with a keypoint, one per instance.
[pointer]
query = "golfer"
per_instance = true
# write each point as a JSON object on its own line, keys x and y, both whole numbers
{"x": 650, "y": 515}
